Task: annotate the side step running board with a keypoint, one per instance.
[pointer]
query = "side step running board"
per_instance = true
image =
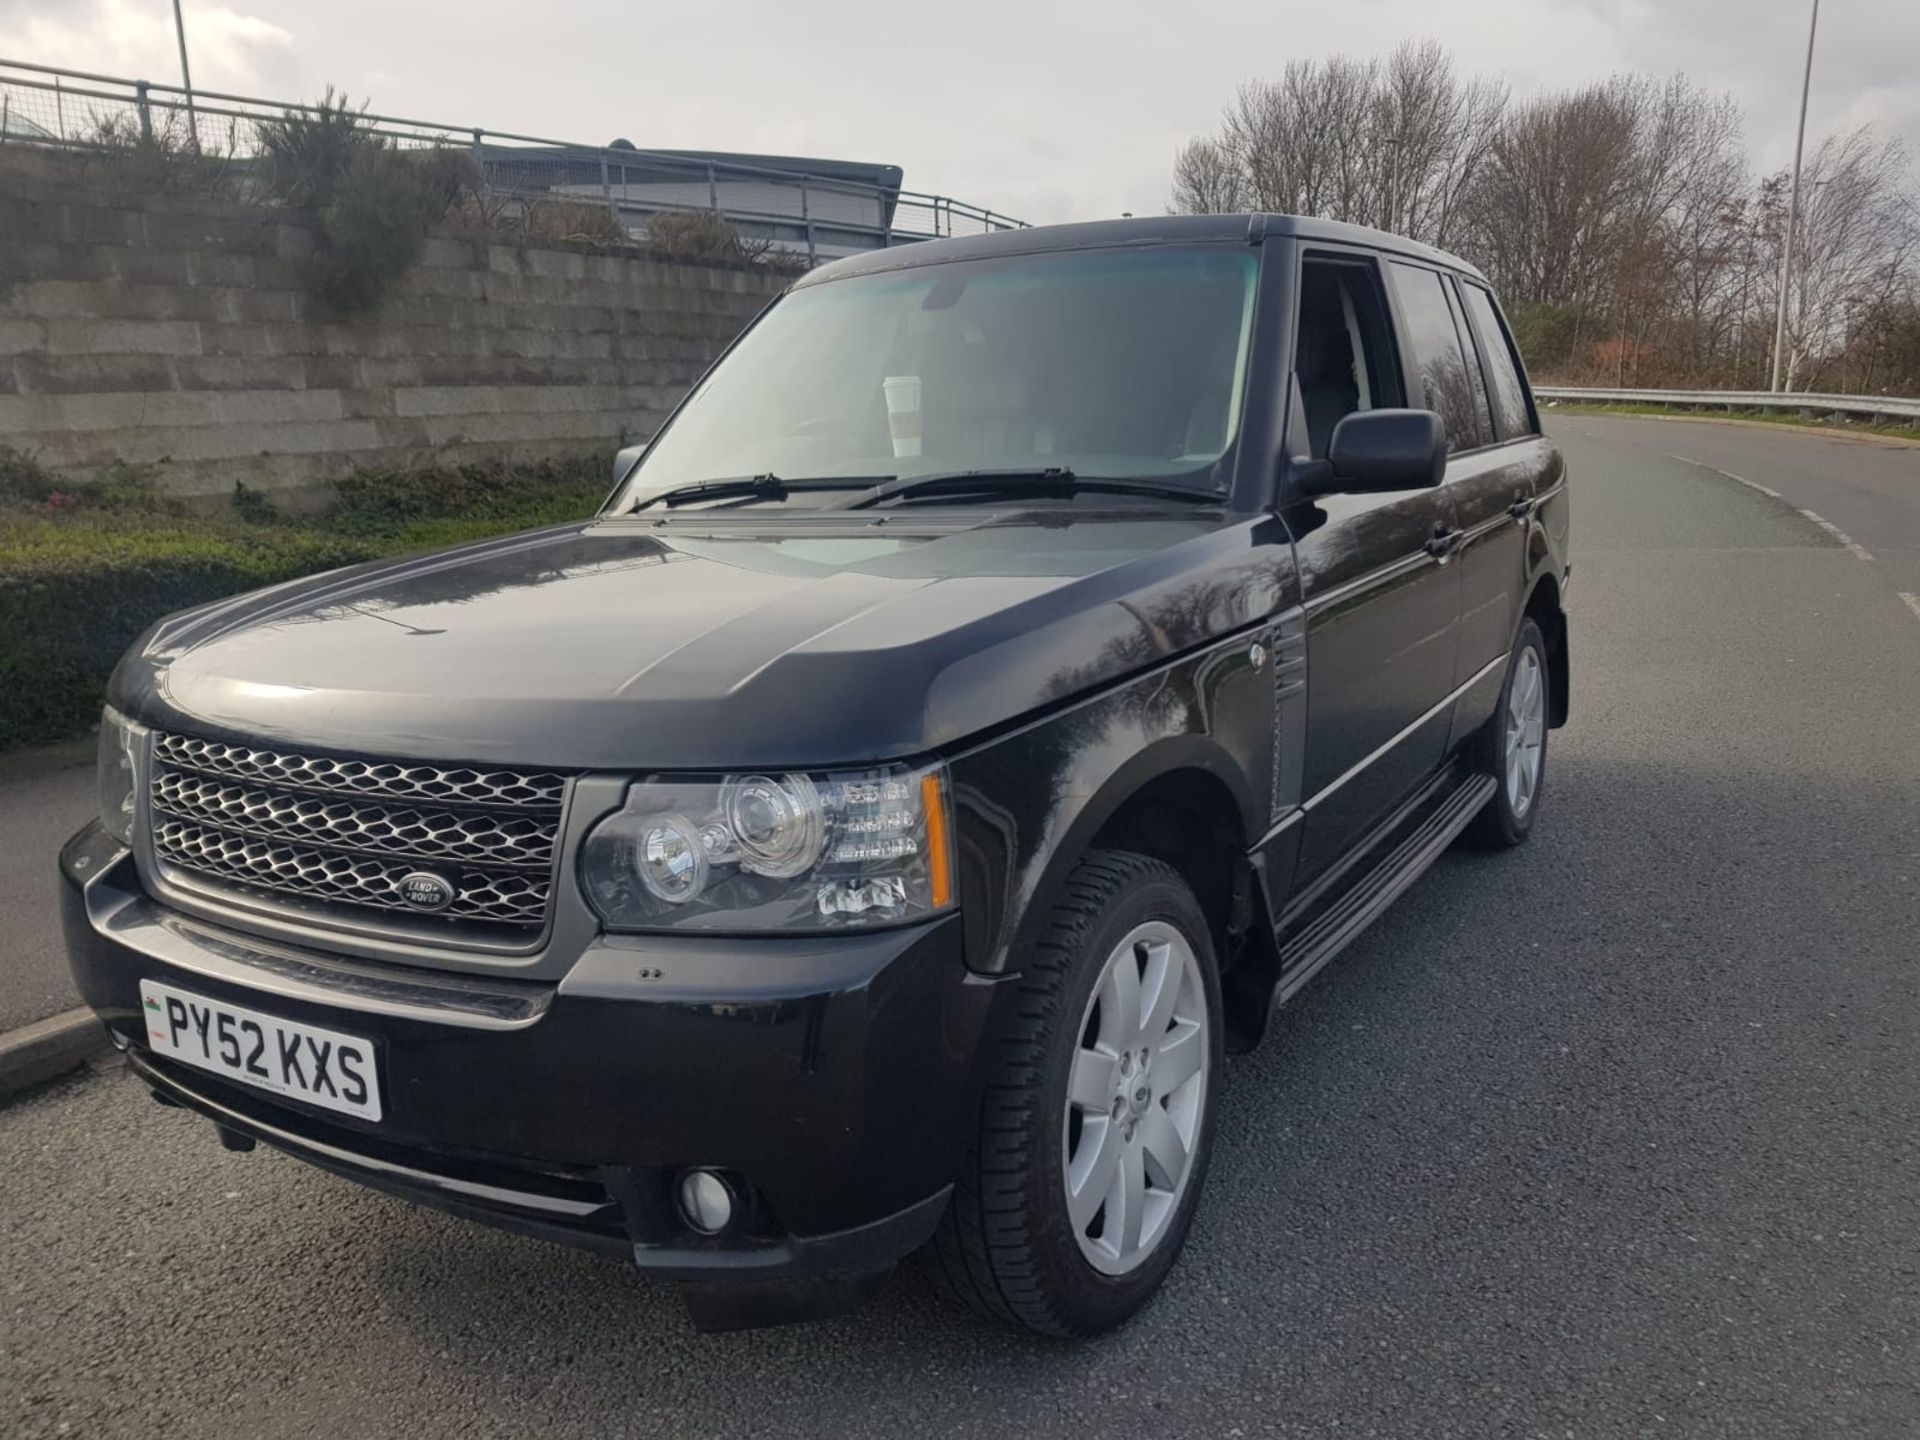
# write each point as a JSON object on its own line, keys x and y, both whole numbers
{"x": 1304, "y": 953}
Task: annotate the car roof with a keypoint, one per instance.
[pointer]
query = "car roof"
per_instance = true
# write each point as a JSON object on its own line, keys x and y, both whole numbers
{"x": 1151, "y": 230}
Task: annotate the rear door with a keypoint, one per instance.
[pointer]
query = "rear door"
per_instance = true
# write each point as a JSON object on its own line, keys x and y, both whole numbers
{"x": 1489, "y": 479}
{"x": 1494, "y": 497}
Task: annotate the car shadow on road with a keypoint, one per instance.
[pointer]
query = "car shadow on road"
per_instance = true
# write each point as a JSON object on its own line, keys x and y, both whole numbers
{"x": 1509, "y": 1138}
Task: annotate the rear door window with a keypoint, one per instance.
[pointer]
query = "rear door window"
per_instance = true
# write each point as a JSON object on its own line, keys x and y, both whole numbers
{"x": 1512, "y": 415}
{"x": 1452, "y": 384}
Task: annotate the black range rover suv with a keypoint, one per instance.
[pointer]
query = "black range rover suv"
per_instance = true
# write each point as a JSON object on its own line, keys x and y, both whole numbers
{"x": 1018, "y": 665}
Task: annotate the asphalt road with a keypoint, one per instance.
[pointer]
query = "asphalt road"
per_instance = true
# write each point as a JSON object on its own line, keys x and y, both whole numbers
{"x": 1861, "y": 494}
{"x": 45, "y": 795}
{"x": 1611, "y": 1136}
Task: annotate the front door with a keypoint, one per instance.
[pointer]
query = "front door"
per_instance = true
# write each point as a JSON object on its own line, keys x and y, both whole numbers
{"x": 1382, "y": 598}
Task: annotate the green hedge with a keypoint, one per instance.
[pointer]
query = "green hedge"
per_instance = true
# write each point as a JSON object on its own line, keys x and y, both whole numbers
{"x": 79, "y": 581}
{"x": 74, "y": 596}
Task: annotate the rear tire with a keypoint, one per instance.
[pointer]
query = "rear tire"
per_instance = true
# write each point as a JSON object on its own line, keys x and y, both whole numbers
{"x": 1512, "y": 746}
{"x": 1096, "y": 1117}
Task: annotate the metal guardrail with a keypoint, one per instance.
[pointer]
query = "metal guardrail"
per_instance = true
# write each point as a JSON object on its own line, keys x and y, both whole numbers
{"x": 1883, "y": 408}
{"x": 820, "y": 215}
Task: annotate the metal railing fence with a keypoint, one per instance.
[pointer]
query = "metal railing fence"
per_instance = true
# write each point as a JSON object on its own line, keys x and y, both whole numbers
{"x": 1886, "y": 409}
{"x": 819, "y": 215}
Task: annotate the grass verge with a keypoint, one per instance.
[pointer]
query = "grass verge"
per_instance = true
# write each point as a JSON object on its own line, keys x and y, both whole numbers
{"x": 85, "y": 569}
{"x": 1769, "y": 417}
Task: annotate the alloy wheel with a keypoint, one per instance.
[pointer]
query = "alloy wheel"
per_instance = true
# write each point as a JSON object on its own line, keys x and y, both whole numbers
{"x": 1135, "y": 1098}
{"x": 1526, "y": 731}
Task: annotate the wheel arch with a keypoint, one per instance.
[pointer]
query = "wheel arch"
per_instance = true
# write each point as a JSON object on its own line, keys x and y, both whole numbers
{"x": 1187, "y": 817}
{"x": 1180, "y": 800}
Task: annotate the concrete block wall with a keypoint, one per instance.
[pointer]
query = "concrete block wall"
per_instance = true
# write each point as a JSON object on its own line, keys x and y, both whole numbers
{"x": 179, "y": 335}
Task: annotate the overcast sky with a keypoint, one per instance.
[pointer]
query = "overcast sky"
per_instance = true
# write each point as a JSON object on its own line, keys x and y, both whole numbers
{"x": 1043, "y": 109}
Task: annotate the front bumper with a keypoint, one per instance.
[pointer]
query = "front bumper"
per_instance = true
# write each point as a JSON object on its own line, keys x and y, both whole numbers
{"x": 834, "y": 1078}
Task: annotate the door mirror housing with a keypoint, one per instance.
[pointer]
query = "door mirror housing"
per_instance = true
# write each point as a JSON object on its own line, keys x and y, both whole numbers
{"x": 1377, "y": 451}
{"x": 625, "y": 459}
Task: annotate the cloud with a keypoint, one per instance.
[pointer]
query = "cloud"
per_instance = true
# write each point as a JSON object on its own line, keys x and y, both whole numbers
{"x": 1046, "y": 109}
{"x": 229, "y": 50}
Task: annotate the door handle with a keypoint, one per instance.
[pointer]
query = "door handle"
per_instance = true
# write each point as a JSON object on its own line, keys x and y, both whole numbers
{"x": 1442, "y": 543}
{"x": 1520, "y": 509}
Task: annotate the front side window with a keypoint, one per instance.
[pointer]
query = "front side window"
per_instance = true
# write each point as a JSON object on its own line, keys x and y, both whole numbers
{"x": 1343, "y": 360}
{"x": 1118, "y": 363}
{"x": 1452, "y": 386}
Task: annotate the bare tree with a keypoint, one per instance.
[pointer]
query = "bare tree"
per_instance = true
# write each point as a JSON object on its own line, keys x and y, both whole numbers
{"x": 1619, "y": 219}
{"x": 1547, "y": 204}
{"x": 1708, "y": 233}
{"x": 1883, "y": 353}
{"x": 1687, "y": 166}
{"x": 1206, "y": 181}
{"x": 1431, "y": 132}
{"x": 1391, "y": 144}
{"x": 1300, "y": 142}
{"x": 1858, "y": 242}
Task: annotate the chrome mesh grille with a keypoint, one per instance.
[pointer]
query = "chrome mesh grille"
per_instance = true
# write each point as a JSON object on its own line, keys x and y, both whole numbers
{"x": 454, "y": 785}
{"x": 488, "y": 836}
{"x": 333, "y": 831}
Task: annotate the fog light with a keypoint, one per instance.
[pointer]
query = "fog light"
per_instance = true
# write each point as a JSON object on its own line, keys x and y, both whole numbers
{"x": 706, "y": 1201}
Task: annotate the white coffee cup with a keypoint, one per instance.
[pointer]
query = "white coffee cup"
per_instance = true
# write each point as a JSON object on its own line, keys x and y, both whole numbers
{"x": 903, "y": 412}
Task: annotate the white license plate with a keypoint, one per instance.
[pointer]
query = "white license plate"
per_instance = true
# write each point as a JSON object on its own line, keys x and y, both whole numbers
{"x": 321, "y": 1067}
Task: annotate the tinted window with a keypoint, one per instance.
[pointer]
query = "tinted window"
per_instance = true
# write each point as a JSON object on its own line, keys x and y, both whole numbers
{"x": 1110, "y": 362}
{"x": 1452, "y": 388}
{"x": 1344, "y": 361}
{"x": 1476, "y": 377}
{"x": 1511, "y": 414}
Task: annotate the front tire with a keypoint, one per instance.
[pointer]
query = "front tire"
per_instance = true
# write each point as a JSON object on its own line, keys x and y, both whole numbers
{"x": 1096, "y": 1118}
{"x": 1513, "y": 746}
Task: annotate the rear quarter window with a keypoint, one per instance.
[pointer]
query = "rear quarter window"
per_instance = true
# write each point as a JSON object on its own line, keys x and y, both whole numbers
{"x": 1512, "y": 415}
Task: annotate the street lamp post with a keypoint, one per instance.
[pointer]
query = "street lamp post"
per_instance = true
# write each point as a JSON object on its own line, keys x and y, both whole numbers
{"x": 186, "y": 75}
{"x": 1793, "y": 213}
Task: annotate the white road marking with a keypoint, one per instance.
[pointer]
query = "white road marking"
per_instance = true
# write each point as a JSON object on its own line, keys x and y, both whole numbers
{"x": 1913, "y": 603}
{"x": 1859, "y": 551}
{"x": 1766, "y": 490}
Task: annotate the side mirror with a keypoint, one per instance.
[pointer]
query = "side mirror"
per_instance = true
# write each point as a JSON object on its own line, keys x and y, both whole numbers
{"x": 624, "y": 461}
{"x": 1375, "y": 451}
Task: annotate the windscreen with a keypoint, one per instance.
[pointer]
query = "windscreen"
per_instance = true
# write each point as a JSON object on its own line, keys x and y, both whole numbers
{"x": 1114, "y": 363}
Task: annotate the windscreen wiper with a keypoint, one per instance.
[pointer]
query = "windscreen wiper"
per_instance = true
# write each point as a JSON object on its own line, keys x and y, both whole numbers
{"x": 1025, "y": 481}
{"x": 752, "y": 487}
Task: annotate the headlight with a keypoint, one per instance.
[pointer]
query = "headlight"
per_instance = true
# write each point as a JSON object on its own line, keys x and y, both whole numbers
{"x": 773, "y": 852}
{"x": 118, "y": 737}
